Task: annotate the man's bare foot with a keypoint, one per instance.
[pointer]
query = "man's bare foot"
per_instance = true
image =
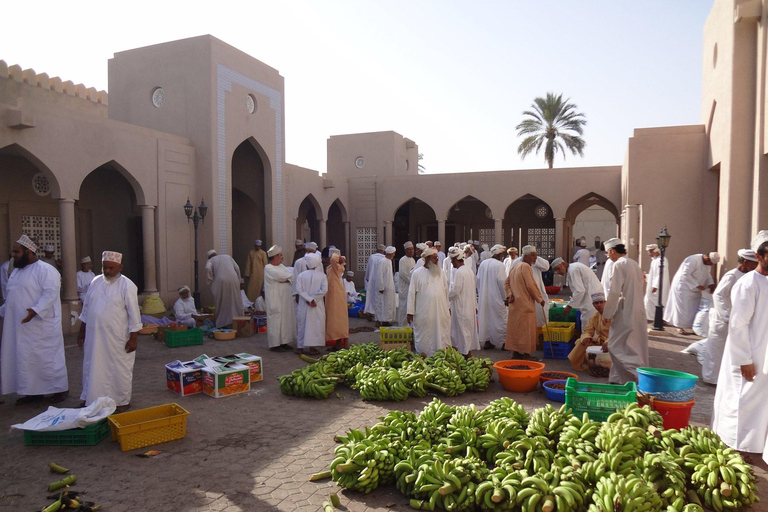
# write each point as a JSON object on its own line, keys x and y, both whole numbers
{"x": 313, "y": 351}
{"x": 488, "y": 346}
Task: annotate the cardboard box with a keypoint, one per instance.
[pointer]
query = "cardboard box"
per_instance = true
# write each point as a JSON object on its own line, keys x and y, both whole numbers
{"x": 200, "y": 320}
{"x": 253, "y": 363}
{"x": 184, "y": 378}
{"x": 226, "y": 380}
{"x": 160, "y": 334}
{"x": 243, "y": 325}
{"x": 394, "y": 345}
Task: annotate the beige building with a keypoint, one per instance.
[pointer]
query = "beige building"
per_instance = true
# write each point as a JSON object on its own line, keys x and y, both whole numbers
{"x": 199, "y": 119}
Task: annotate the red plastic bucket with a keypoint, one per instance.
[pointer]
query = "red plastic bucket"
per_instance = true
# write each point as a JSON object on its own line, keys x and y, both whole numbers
{"x": 675, "y": 414}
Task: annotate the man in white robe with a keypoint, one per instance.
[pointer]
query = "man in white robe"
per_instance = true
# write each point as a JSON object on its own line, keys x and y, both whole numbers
{"x": 32, "y": 350}
{"x": 719, "y": 316}
{"x": 428, "y": 307}
{"x": 386, "y": 299}
{"x": 484, "y": 255}
{"x": 281, "y": 317}
{"x": 582, "y": 255}
{"x": 48, "y": 251}
{"x": 420, "y": 248}
{"x": 440, "y": 253}
{"x": 224, "y": 277}
{"x": 247, "y": 303}
{"x": 624, "y": 307}
{"x": 110, "y": 323}
{"x": 693, "y": 276}
{"x": 652, "y": 283}
{"x": 583, "y": 284}
{"x": 5, "y": 273}
{"x": 463, "y": 301}
{"x": 312, "y": 285}
{"x": 300, "y": 265}
{"x": 471, "y": 258}
{"x": 492, "y": 312}
{"x": 349, "y": 287}
{"x": 447, "y": 267}
{"x": 371, "y": 273}
{"x": 84, "y": 277}
{"x": 739, "y": 414}
{"x": 404, "y": 268}
{"x": 605, "y": 280}
{"x": 184, "y": 308}
{"x": 601, "y": 258}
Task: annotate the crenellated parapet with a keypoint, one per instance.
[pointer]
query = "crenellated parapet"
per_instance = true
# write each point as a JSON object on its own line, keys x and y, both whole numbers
{"x": 43, "y": 81}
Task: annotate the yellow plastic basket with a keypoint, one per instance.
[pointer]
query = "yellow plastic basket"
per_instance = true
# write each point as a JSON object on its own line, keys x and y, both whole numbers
{"x": 559, "y": 331}
{"x": 395, "y": 334}
{"x": 145, "y": 427}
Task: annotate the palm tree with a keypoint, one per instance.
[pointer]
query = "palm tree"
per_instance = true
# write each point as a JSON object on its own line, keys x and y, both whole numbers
{"x": 553, "y": 123}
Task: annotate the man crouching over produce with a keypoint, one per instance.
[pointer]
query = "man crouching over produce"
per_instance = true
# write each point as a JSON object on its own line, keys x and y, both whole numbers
{"x": 595, "y": 333}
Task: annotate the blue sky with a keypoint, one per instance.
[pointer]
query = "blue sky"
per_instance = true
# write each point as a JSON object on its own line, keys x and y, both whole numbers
{"x": 453, "y": 76}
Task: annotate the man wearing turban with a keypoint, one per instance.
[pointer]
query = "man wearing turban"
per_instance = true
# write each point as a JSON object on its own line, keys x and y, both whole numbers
{"x": 522, "y": 296}
{"x": 693, "y": 277}
{"x": 281, "y": 315}
{"x": 184, "y": 308}
{"x": 428, "y": 306}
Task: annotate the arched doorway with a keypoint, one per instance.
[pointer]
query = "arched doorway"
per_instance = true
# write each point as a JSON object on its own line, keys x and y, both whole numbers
{"x": 414, "y": 221}
{"x": 336, "y": 227}
{"x": 590, "y": 216}
{"x": 27, "y": 201}
{"x": 108, "y": 219}
{"x": 529, "y": 221}
{"x": 249, "y": 212}
{"x": 307, "y": 226}
{"x": 468, "y": 219}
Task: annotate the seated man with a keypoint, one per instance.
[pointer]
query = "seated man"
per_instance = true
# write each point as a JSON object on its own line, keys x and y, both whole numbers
{"x": 184, "y": 308}
{"x": 247, "y": 304}
{"x": 349, "y": 287}
{"x": 595, "y": 333}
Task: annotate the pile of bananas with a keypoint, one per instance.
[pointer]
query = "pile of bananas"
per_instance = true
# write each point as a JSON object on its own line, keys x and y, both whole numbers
{"x": 308, "y": 382}
{"x": 380, "y": 383}
{"x": 503, "y": 459}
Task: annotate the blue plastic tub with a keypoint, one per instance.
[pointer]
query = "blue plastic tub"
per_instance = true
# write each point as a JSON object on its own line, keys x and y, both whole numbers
{"x": 556, "y": 395}
{"x": 660, "y": 383}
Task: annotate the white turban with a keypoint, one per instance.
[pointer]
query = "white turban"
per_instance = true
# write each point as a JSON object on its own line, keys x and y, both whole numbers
{"x": 438, "y": 243}
{"x": 257, "y": 242}
{"x": 613, "y": 242}
{"x": 212, "y": 252}
{"x": 48, "y": 248}
{"x": 27, "y": 242}
{"x": 274, "y": 251}
{"x": 350, "y": 273}
{"x": 114, "y": 257}
{"x": 485, "y": 247}
{"x": 390, "y": 250}
{"x": 582, "y": 243}
{"x": 598, "y": 297}
{"x": 747, "y": 254}
{"x": 428, "y": 242}
{"x": 312, "y": 245}
{"x": 557, "y": 262}
{"x": 469, "y": 242}
{"x": 759, "y": 240}
{"x": 457, "y": 256}
{"x": 299, "y": 242}
{"x": 528, "y": 249}
{"x": 185, "y": 287}
{"x": 651, "y": 247}
{"x": 429, "y": 252}
{"x": 313, "y": 260}
{"x": 87, "y": 259}
{"x": 498, "y": 249}
{"x": 453, "y": 251}
{"x": 715, "y": 257}
{"x": 407, "y": 245}
{"x": 422, "y": 247}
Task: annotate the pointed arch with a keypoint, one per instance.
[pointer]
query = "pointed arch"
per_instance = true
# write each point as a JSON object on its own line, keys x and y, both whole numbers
{"x": 469, "y": 198}
{"x": 342, "y": 208}
{"x": 587, "y": 200}
{"x": 18, "y": 150}
{"x": 469, "y": 218}
{"x": 529, "y": 220}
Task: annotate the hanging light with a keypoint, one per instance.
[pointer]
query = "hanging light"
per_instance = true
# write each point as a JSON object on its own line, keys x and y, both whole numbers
{"x": 202, "y": 209}
{"x": 188, "y": 209}
{"x": 663, "y": 239}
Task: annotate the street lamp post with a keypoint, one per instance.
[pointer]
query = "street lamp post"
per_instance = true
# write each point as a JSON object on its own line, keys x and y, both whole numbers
{"x": 663, "y": 242}
{"x": 196, "y": 218}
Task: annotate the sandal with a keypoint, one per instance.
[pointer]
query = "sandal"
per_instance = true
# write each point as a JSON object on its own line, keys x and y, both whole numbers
{"x": 58, "y": 397}
{"x": 29, "y": 399}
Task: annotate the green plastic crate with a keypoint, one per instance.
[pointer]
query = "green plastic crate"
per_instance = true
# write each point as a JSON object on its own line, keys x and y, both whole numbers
{"x": 557, "y": 313}
{"x": 184, "y": 338}
{"x": 86, "y": 436}
{"x": 599, "y": 400}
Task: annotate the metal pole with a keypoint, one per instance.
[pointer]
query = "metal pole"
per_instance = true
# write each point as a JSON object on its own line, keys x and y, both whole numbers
{"x": 658, "y": 319}
{"x": 196, "y": 294}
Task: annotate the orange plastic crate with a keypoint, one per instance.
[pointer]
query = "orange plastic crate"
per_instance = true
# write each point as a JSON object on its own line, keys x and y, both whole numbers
{"x": 146, "y": 427}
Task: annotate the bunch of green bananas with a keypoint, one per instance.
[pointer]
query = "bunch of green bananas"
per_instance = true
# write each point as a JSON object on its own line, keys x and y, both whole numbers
{"x": 547, "y": 491}
{"x": 445, "y": 379}
{"x": 377, "y": 383}
{"x": 621, "y": 437}
{"x": 431, "y": 425}
{"x": 362, "y": 462}
{"x": 577, "y": 440}
{"x": 506, "y": 408}
{"x": 477, "y": 375}
{"x": 408, "y": 468}
{"x": 448, "y": 485}
{"x": 701, "y": 440}
{"x": 664, "y": 476}
{"x": 532, "y": 454}
{"x": 548, "y": 422}
{"x": 499, "y": 491}
{"x": 617, "y": 493}
{"x": 399, "y": 356}
{"x": 637, "y": 416}
{"x": 724, "y": 481}
{"x": 499, "y": 434}
{"x": 307, "y": 382}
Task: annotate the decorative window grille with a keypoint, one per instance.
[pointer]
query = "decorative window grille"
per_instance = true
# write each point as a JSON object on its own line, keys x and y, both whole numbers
{"x": 43, "y": 230}
{"x": 366, "y": 245}
{"x": 487, "y": 236}
{"x": 544, "y": 241}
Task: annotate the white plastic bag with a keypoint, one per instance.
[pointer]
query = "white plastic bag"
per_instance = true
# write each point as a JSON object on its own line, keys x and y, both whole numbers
{"x": 55, "y": 419}
{"x": 701, "y": 322}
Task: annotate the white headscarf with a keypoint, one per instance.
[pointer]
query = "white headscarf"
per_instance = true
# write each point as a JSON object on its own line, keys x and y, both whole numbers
{"x": 313, "y": 260}
{"x": 498, "y": 249}
{"x": 274, "y": 251}
{"x": 185, "y": 287}
{"x": 390, "y": 250}
{"x": 715, "y": 257}
{"x": 759, "y": 240}
{"x": 747, "y": 254}
{"x": 613, "y": 242}
{"x": 429, "y": 252}
{"x": 212, "y": 252}
{"x": 557, "y": 262}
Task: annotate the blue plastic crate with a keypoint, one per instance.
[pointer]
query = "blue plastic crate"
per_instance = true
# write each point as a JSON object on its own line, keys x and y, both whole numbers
{"x": 558, "y": 349}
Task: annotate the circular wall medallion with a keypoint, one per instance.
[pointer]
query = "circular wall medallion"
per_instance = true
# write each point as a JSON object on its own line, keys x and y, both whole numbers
{"x": 250, "y": 103}
{"x": 359, "y": 162}
{"x": 41, "y": 185}
{"x": 542, "y": 211}
{"x": 158, "y": 97}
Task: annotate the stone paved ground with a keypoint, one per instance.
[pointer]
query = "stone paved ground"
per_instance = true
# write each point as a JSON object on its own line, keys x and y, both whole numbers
{"x": 250, "y": 452}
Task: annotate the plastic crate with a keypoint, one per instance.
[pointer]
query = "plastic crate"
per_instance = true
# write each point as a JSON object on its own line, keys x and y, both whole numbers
{"x": 558, "y": 349}
{"x": 557, "y": 313}
{"x": 86, "y": 436}
{"x": 559, "y": 331}
{"x": 146, "y": 427}
{"x": 599, "y": 400}
{"x": 395, "y": 337}
{"x": 183, "y": 338}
